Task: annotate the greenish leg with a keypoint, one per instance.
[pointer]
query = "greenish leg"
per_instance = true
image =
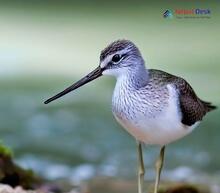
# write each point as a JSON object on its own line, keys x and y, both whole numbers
{"x": 141, "y": 170}
{"x": 159, "y": 165}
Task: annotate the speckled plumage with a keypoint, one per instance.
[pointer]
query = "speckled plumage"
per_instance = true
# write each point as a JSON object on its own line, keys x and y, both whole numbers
{"x": 143, "y": 111}
{"x": 192, "y": 108}
{"x": 148, "y": 102}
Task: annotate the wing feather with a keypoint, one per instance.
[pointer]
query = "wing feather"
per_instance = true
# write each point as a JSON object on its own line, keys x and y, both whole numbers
{"x": 192, "y": 107}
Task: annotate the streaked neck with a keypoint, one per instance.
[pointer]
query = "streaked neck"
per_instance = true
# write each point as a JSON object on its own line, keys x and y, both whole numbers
{"x": 134, "y": 78}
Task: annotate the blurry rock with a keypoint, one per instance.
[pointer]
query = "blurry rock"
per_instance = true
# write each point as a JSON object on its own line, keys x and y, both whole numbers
{"x": 8, "y": 189}
{"x": 182, "y": 189}
{"x": 5, "y": 189}
{"x": 12, "y": 174}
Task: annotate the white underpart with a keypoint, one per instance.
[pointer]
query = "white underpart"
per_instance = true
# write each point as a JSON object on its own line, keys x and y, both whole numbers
{"x": 160, "y": 129}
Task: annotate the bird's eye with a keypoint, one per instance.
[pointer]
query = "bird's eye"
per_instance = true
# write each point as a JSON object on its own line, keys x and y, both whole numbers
{"x": 116, "y": 58}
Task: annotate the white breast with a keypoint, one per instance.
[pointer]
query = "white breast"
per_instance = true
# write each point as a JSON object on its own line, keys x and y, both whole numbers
{"x": 161, "y": 129}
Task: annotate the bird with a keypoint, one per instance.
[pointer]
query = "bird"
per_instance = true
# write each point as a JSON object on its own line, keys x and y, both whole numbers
{"x": 155, "y": 107}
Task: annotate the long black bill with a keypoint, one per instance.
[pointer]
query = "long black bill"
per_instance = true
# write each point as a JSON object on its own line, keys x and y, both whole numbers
{"x": 91, "y": 76}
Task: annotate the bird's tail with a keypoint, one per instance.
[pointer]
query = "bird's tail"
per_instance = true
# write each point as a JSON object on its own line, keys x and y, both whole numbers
{"x": 208, "y": 106}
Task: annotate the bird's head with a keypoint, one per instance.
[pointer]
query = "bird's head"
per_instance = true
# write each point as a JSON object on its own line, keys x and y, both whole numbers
{"x": 120, "y": 57}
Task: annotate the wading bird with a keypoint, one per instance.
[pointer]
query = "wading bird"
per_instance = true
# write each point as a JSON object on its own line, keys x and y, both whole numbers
{"x": 155, "y": 107}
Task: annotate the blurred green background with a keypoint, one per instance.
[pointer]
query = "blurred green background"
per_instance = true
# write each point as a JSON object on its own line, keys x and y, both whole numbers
{"x": 47, "y": 45}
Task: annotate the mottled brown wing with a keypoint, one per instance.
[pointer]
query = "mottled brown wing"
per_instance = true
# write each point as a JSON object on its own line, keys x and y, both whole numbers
{"x": 192, "y": 108}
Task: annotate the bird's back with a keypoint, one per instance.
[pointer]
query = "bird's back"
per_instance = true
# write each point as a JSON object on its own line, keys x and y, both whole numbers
{"x": 192, "y": 107}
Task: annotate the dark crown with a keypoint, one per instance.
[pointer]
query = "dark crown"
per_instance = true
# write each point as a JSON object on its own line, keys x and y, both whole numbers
{"x": 116, "y": 46}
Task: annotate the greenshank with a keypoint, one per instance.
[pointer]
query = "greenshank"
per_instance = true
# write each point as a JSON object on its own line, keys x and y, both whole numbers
{"x": 155, "y": 107}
